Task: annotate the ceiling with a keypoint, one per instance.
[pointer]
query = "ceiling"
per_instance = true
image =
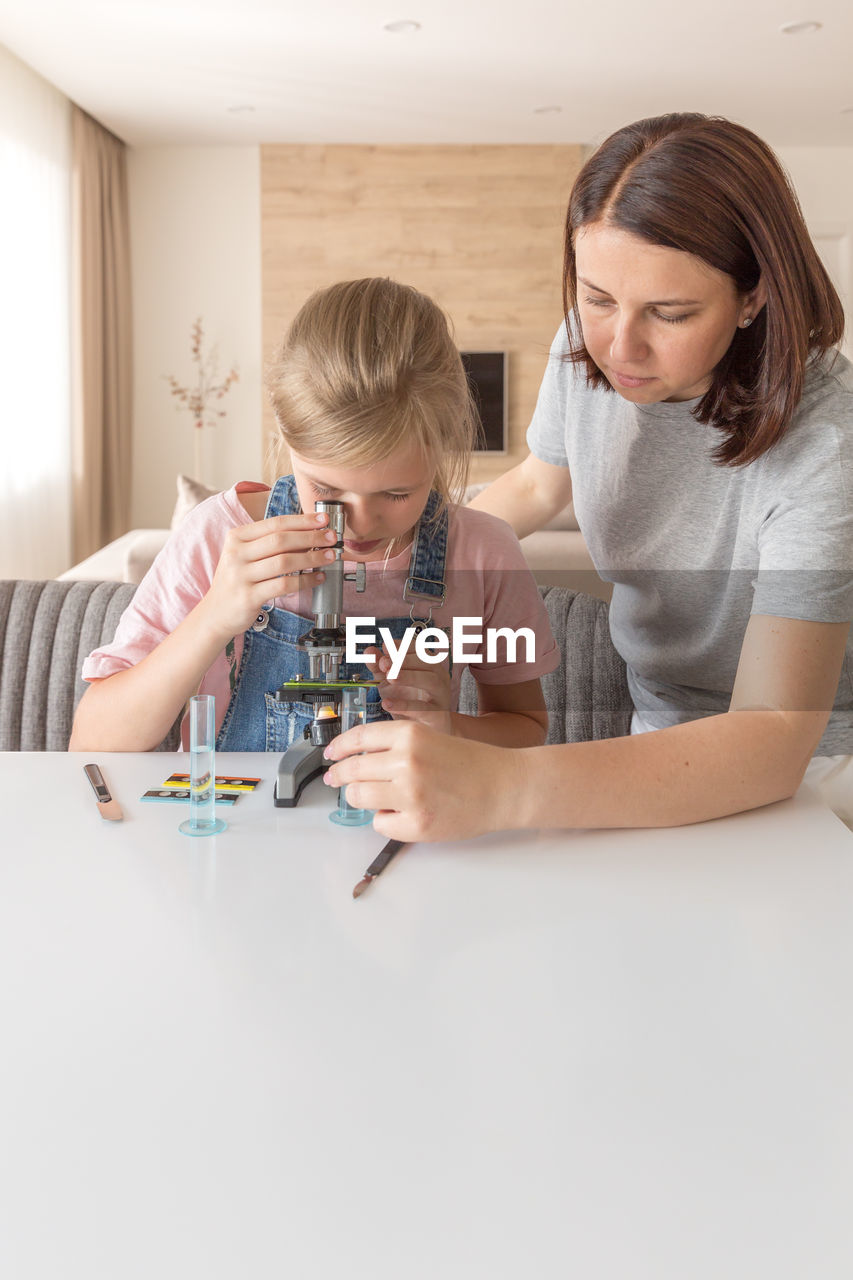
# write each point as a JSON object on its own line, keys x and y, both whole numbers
{"x": 475, "y": 71}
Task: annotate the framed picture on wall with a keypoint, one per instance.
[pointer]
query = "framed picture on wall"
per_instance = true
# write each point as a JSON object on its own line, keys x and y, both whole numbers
{"x": 486, "y": 372}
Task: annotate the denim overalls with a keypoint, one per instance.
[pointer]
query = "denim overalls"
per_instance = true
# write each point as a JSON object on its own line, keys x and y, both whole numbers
{"x": 255, "y": 720}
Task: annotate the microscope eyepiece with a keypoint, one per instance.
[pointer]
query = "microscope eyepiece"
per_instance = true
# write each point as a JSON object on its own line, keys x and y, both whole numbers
{"x": 337, "y": 518}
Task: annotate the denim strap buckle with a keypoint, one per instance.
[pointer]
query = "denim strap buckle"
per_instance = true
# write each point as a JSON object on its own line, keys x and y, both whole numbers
{"x": 430, "y": 589}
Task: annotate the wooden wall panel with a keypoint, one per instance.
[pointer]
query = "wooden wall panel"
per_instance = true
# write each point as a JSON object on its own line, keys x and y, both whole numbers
{"x": 478, "y": 228}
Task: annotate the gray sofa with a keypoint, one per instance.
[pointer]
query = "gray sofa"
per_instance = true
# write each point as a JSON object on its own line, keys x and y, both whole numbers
{"x": 48, "y": 628}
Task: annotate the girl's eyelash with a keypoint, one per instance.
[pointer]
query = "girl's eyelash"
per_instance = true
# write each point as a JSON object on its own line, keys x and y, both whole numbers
{"x": 327, "y": 493}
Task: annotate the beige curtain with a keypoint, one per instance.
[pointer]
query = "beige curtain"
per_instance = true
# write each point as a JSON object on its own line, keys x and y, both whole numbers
{"x": 101, "y": 325}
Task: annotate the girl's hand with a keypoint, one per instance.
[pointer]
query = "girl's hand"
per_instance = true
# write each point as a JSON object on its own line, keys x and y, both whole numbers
{"x": 424, "y": 785}
{"x": 420, "y": 690}
{"x": 256, "y": 565}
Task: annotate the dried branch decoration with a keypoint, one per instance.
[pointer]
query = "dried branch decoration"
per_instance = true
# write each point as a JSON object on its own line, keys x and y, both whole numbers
{"x": 198, "y": 399}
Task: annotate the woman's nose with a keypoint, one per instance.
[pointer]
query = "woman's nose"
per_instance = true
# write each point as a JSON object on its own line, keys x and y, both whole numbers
{"x": 627, "y": 343}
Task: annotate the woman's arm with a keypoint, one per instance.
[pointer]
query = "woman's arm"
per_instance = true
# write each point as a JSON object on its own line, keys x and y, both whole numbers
{"x": 134, "y": 709}
{"x": 528, "y": 495}
{"x": 753, "y": 755}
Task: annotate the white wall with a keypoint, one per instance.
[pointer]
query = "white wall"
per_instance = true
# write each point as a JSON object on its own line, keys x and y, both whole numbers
{"x": 35, "y": 353}
{"x": 823, "y": 180}
{"x": 195, "y": 225}
{"x": 195, "y": 228}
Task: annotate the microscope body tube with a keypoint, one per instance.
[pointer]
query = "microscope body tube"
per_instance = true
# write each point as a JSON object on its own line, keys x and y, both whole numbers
{"x": 326, "y": 641}
{"x": 327, "y": 598}
{"x": 325, "y": 645}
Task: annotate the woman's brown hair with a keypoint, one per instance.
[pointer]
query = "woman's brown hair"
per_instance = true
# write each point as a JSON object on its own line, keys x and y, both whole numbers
{"x": 711, "y": 188}
{"x": 368, "y": 366}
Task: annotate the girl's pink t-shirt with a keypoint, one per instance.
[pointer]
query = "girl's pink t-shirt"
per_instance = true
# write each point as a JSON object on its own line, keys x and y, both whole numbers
{"x": 487, "y": 580}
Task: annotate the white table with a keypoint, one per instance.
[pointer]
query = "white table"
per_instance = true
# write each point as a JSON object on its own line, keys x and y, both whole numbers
{"x": 609, "y": 1056}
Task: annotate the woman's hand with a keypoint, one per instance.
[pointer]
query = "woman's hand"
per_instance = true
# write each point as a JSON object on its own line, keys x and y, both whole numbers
{"x": 256, "y": 562}
{"x": 425, "y": 785}
{"x": 419, "y": 691}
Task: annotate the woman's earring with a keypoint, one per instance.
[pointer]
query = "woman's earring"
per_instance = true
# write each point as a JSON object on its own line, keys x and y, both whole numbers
{"x": 746, "y": 322}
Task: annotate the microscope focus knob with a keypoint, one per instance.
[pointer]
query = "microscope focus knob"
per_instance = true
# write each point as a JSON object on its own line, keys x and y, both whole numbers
{"x": 359, "y": 577}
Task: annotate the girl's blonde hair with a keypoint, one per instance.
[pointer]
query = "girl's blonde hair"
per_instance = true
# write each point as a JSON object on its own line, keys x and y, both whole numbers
{"x": 369, "y": 366}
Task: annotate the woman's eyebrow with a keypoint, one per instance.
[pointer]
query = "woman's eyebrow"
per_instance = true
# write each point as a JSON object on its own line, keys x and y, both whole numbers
{"x": 652, "y": 302}
{"x": 590, "y": 285}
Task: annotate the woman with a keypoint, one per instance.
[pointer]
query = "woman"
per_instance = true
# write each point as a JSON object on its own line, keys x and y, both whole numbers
{"x": 697, "y": 412}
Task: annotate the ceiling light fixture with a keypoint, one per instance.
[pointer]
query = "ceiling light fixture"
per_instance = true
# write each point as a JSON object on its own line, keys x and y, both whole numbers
{"x": 550, "y": 109}
{"x": 799, "y": 28}
{"x": 240, "y": 108}
{"x": 401, "y": 26}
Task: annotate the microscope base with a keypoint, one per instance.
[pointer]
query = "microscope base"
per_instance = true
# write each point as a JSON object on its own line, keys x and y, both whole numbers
{"x": 301, "y": 762}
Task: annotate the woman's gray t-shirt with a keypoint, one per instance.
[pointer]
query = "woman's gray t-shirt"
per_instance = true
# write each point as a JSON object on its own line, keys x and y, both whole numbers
{"x": 692, "y": 547}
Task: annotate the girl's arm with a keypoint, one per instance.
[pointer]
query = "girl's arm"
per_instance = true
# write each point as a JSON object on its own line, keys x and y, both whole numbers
{"x": 510, "y": 715}
{"x": 134, "y": 709}
{"x": 528, "y": 495}
{"x": 753, "y": 755}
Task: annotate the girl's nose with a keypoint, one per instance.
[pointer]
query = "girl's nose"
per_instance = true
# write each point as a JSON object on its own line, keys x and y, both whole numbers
{"x": 358, "y": 519}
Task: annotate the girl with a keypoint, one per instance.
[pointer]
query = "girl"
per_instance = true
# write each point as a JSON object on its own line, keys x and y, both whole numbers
{"x": 372, "y": 400}
{"x": 697, "y": 412}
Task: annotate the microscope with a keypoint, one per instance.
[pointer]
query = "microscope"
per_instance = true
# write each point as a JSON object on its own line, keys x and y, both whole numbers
{"x": 333, "y": 700}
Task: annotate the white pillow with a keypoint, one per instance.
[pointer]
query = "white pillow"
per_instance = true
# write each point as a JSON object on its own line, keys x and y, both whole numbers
{"x": 190, "y": 494}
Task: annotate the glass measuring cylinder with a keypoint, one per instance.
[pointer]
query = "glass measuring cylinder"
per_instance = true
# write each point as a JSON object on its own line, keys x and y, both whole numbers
{"x": 353, "y": 712}
{"x": 202, "y": 820}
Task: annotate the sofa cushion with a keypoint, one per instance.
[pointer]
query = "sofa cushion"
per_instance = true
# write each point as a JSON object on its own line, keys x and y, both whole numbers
{"x": 142, "y": 551}
{"x": 126, "y": 559}
{"x": 46, "y": 630}
{"x": 190, "y": 494}
{"x": 587, "y": 694}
